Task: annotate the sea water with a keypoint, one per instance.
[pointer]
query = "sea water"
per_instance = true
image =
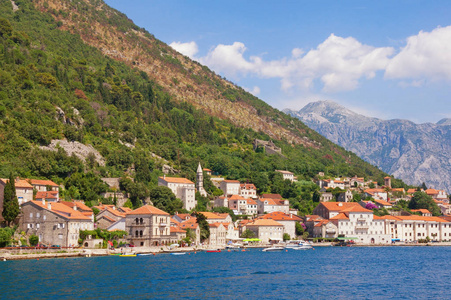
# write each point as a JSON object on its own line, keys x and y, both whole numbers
{"x": 323, "y": 273}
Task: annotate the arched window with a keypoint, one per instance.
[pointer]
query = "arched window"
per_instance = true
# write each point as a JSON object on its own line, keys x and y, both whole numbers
{"x": 136, "y": 233}
{"x": 141, "y": 220}
{"x": 141, "y": 232}
{"x": 136, "y": 220}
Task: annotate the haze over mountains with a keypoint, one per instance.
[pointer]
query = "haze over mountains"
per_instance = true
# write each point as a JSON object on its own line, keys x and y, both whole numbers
{"x": 413, "y": 152}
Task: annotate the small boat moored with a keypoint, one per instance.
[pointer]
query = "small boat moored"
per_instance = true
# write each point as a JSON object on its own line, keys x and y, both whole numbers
{"x": 273, "y": 249}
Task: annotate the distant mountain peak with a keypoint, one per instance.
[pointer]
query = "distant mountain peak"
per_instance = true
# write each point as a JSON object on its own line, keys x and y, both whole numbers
{"x": 399, "y": 147}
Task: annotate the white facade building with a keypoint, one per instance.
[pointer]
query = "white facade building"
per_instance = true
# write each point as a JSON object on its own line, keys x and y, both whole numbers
{"x": 182, "y": 188}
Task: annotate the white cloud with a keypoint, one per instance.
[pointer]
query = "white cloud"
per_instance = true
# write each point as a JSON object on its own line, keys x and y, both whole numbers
{"x": 189, "y": 49}
{"x": 254, "y": 91}
{"x": 338, "y": 62}
{"x": 427, "y": 55}
{"x": 228, "y": 59}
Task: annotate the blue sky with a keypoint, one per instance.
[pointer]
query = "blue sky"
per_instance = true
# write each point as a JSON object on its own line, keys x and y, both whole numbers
{"x": 387, "y": 59}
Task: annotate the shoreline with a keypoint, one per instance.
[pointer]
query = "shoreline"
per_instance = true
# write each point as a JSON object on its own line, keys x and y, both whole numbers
{"x": 6, "y": 255}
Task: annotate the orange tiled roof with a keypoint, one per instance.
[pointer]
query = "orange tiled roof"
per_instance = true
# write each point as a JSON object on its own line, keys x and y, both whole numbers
{"x": 280, "y": 216}
{"x": 183, "y": 216}
{"x": 382, "y": 202}
{"x": 177, "y": 229}
{"x": 62, "y": 210}
{"x": 230, "y": 181}
{"x": 80, "y": 206}
{"x": 248, "y": 186}
{"x": 46, "y": 195}
{"x": 264, "y": 222}
{"x": 191, "y": 223}
{"x": 284, "y": 172}
{"x": 19, "y": 183}
{"x": 251, "y": 202}
{"x": 177, "y": 180}
{"x": 216, "y": 225}
{"x": 236, "y": 197}
{"x": 340, "y": 216}
{"x": 272, "y": 196}
{"x": 341, "y": 206}
{"x": 422, "y": 210}
{"x": 42, "y": 182}
{"x": 211, "y": 215}
{"x": 147, "y": 210}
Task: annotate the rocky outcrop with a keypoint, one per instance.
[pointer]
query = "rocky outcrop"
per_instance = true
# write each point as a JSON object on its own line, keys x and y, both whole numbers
{"x": 80, "y": 150}
{"x": 413, "y": 152}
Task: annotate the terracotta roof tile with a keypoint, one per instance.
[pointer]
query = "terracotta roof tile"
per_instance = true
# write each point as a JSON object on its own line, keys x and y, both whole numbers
{"x": 176, "y": 180}
{"x": 147, "y": 210}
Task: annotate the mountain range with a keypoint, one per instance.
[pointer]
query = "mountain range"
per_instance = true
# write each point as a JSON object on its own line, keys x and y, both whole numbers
{"x": 416, "y": 153}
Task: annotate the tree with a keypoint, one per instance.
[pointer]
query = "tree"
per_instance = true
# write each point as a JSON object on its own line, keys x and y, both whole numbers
{"x": 248, "y": 234}
{"x": 163, "y": 198}
{"x": 5, "y": 236}
{"x": 423, "y": 186}
{"x": 422, "y": 200}
{"x": 10, "y": 202}
{"x": 286, "y": 237}
{"x": 299, "y": 228}
{"x": 33, "y": 239}
{"x": 190, "y": 236}
{"x": 203, "y": 225}
{"x": 5, "y": 27}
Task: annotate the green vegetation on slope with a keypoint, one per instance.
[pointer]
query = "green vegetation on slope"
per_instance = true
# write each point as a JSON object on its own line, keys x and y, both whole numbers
{"x": 108, "y": 104}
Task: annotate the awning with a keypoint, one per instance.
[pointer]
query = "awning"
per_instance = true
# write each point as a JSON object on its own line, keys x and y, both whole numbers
{"x": 276, "y": 239}
{"x": 252, "y": 240}
{"x": 347, "y": 238}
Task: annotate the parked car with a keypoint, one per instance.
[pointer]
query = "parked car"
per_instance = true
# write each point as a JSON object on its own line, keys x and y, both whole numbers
{"x": 42, "y": 246}
{"x": 12, "y": 246}
{"x": 23, "y": 246}
{"x": 55, "y": 246}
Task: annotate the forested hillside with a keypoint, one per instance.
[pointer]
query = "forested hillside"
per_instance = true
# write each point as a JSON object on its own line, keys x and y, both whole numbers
{"x": 53, "y": 85}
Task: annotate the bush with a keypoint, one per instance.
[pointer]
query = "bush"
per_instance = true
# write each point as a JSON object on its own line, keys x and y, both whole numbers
{"x": 33, "y": 239}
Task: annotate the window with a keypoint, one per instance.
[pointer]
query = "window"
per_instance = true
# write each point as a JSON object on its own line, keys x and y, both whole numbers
{"x": 60, "y": 236}
{"x": 37, "y": 226}
{"x": 30, "y": 225}
{"x": 44, "y": 217}
{"x": 31, "y": 215}
{"x": 38, "y": 215}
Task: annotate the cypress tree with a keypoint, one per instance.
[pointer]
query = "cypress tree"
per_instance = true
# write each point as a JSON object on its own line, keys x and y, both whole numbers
{"x": 10, "y": 202}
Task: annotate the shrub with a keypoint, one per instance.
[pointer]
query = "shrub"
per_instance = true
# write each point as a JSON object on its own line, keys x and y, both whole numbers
{"x": 33, "y": 239}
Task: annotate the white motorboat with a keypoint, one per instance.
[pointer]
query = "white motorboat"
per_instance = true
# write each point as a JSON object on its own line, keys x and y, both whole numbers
{"x": 273, "y": 249}
{"x": 303, "y": 246}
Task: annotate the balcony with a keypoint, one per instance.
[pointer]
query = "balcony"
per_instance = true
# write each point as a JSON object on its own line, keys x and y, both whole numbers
{"x": 163, "y": 224}
{"x": 330, "y": 231}
{"x": 361, "y": 220}
{"x": 139, "y": 224}
{"x": 361, "y": 226}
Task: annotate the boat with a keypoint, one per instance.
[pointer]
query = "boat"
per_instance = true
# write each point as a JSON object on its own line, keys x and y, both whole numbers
{"x": 144, "y": 254}
{"x": 212, "y": 250}
{"x": 273, "y": 249}
{"x": 303, "y": 246}
{"x": 127, "y": 255}
{"x": 178, "y": 253}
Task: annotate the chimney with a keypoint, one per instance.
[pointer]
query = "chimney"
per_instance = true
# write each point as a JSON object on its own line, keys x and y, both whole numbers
{"x": 340, "y": 204}
{"x": 114, "y": 207}
{"x": 49, "y": 206}
{"x": 75, "y": 207}
{"x": 291, "y": 215}
{"x": 43, "y": 201}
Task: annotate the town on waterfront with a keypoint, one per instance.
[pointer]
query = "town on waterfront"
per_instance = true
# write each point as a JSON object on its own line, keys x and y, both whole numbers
{"x": 347, "y": 211}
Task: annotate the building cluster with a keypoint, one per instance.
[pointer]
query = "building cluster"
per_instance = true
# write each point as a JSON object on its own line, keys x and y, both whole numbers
{"x": 267, "y": 217}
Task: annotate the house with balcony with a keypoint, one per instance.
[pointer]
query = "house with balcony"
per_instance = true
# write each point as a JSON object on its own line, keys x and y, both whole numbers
{"x": 148, "y": 226}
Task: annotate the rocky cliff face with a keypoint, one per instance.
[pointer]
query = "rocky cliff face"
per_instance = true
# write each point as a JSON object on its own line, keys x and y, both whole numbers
{"x": 413, "y": 152}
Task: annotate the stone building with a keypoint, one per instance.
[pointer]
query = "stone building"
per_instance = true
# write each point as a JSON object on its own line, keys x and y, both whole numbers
{"x": 266, "y": 229}
{"x": 54, "y": 223}
{"x": 182, "y": 188}
{"x": 148, "y": 226}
